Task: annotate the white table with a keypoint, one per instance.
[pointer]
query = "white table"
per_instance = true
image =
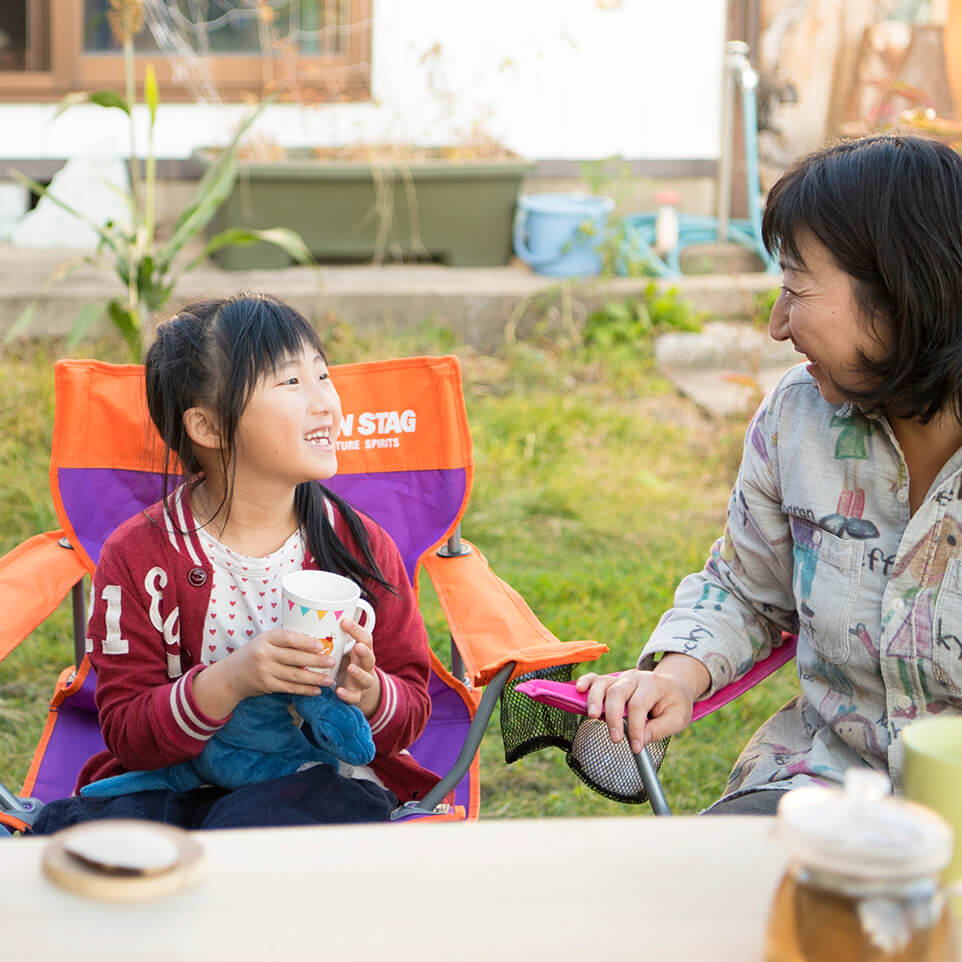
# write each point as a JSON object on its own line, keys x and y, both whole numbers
{"x": 676, "y": 889}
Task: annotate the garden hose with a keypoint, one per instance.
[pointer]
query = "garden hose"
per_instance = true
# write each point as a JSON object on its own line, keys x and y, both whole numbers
{"x": 638, "y": 230}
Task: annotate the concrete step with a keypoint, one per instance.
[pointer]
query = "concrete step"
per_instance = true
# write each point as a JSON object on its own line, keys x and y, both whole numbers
{"x": 476, "y": 303}
{"x": 726, "y": 368}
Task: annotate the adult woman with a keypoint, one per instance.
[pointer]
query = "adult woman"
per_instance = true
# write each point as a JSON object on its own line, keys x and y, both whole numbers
{"x": 845, "y": 523}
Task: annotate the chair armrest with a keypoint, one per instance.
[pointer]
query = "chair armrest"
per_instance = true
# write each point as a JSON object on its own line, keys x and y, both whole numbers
{"x": 565, "y": 696}
{"x": 492, "y": 625}
{"x": 34, "y": 578}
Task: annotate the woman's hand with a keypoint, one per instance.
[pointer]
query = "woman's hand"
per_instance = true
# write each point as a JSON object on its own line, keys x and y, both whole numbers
{"x": 274, "y": 661}
{"x": 358, "y": 682}
{"x": 659, "y": 703}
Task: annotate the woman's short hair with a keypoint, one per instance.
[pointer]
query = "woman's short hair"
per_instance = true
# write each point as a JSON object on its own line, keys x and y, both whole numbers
{"x": 888, "y": 209}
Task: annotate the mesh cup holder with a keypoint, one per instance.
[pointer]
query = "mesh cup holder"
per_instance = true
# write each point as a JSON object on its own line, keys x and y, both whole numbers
{"x": 528, "y": 725}
{"x": 607, "y": 767}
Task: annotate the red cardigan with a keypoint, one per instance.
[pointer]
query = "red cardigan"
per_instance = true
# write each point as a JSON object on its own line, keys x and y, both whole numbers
{"x": 150, "y": 597}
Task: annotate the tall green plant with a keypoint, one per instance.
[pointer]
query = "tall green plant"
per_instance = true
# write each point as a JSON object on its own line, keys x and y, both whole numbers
{"x": 148, "y": 269}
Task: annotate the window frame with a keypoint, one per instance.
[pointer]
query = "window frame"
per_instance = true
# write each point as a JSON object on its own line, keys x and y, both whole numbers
{"x": 236, "y": 77}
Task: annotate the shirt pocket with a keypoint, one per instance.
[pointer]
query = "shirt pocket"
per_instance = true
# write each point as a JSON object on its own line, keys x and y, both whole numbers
{"x": 826, "y": 575}
{"x": 947, "y": 629}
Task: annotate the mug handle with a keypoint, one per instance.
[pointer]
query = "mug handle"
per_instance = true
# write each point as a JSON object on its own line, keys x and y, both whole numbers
{"x": 369, "y": 620}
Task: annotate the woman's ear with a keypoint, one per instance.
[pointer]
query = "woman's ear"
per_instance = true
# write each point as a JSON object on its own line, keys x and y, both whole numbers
{"x": 201, "y": 427}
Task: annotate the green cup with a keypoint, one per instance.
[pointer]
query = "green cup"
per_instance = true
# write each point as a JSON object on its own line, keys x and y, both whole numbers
{"x": 933, "y": 777}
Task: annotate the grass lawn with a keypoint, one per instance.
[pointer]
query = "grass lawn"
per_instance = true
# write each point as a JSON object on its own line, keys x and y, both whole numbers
{"x": 597, "y": 488}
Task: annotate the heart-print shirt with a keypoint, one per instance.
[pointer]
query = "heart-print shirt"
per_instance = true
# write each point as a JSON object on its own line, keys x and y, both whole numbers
{"x": 245, "y": 595}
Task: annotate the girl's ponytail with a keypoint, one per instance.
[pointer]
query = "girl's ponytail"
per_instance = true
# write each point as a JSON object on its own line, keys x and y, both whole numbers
{"x": 322, "y": 540}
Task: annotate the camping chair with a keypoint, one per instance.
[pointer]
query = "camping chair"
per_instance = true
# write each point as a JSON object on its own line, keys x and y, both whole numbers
{"x": 610, "y": 769}
{"x": 404, "y": 458}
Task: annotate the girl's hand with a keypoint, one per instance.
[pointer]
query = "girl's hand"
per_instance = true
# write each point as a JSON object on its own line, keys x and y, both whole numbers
{"x": 274, "y": 661}
{"x": 358, "y": 682}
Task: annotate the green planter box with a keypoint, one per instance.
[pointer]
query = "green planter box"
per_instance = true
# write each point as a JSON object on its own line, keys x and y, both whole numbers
{"x": 458, "y": 213}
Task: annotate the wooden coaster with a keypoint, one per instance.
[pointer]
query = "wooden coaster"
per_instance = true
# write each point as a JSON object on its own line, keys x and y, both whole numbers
{"x": 123, "y": 860}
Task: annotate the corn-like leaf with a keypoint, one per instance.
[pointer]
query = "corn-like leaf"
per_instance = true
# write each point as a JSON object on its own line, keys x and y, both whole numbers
{"x": 21, "y": 323}
{"x": 87, "y": 316}
{"x": 202, "y": 210}
{"x": 68, "y": 267}
{"x": 122, "y": 316}
{"x": 124, "y": 194}
{"x": 288, "y": 240}
{"x": 109, "y": 98}
{"x": 151, "y": 93}
{"x": 63, "y": 271}
{"x": 103, "y": 98}
{"x": 128, "y": 324}
{"x": 214, "y": 188}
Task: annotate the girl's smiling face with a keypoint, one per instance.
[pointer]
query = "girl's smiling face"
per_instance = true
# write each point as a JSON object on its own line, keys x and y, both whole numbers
{"x": 818, "y": 312}
{"x": 288, "y": 431}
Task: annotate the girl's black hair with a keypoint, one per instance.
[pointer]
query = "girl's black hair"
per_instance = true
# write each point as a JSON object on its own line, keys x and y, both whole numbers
{"x": 212, "y": 354}
{"x": 888, "y": 209}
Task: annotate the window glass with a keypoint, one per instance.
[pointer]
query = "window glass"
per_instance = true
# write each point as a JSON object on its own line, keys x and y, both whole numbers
{"x": 317, "y": 27}
{"x": 23, "y": 36}
{"x": 318, "y": 48}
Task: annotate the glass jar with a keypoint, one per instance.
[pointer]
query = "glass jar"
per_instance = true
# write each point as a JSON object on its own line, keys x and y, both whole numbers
{"x": 863, "y": 884}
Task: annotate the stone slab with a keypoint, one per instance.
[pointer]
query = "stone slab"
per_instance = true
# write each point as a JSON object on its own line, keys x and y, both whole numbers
{"x": 725, "y": 392}
{"x": 720, "y": 344}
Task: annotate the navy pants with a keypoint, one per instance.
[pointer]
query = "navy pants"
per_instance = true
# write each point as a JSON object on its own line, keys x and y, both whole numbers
{"x": 318, "y": 796}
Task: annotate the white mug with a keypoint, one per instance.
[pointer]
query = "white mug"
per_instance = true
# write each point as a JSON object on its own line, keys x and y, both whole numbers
{"x": 314, "y": 604}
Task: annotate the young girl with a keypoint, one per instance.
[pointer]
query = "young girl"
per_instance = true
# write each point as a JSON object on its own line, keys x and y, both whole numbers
{"x": 186, "y": 610}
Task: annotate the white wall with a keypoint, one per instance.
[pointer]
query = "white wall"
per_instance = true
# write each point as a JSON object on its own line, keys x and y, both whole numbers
{"x": 549, "y": 78}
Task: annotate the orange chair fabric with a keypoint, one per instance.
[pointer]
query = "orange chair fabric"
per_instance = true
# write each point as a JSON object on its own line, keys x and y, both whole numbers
{"x": 34, "y": 578}
{"x": 492, "y": 625}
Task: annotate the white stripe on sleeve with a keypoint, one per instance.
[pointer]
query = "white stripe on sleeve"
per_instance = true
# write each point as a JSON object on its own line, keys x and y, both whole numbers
{"x": 179, "y": 707}
{"x": 388, "y": 706}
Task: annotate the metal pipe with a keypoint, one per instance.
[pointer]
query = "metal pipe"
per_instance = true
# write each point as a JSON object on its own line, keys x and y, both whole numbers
{"x": 79, "y": 613}
{"x": 472, "y": 742}
{"x": 457, "y": 662}
{"x": 736, "y": 69}
{"x": 24, "y": 809}
{"x": 649, "y": 778}
{"x": 79, "y": 622}
{"x": 723, "y": 183}
{"x": 453, "y": 548}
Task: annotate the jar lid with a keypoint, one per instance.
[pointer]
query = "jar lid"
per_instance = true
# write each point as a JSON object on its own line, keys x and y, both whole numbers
{"x": 862, "y": 831}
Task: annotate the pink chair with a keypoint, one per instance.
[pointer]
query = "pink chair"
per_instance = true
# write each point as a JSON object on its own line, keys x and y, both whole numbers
{"x": 558, "y": 717}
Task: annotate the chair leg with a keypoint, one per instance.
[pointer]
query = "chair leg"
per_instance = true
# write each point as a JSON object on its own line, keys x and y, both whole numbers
{"x": 21, "y": 810}
{"x": 79, "y": 623}
{"x": 649, "y": 778}
{"x": 472, "y": 742}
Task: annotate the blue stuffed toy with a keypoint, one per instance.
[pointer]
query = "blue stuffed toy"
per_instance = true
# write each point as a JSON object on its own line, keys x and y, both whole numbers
{"x": 260, "y": 741}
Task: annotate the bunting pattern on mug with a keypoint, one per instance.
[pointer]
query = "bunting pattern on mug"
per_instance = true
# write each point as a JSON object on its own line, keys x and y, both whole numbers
{"x": 320, "y": 612}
